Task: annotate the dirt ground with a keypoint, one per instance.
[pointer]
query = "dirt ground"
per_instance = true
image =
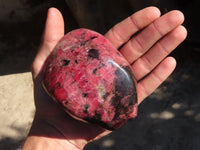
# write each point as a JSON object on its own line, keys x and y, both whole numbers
{"x": 167, "y": 120}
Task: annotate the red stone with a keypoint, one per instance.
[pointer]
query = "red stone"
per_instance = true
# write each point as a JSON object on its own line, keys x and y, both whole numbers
{"x": 91, "y": 79}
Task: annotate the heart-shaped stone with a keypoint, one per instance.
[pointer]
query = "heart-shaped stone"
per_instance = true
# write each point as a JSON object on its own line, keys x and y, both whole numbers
{"x": 91, "y": 80}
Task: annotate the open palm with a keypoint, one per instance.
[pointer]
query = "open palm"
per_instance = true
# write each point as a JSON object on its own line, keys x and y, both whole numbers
{"x": 146, "y": 51}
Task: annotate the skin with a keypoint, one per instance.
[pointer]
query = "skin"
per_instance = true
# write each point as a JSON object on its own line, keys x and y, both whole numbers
{"x": 147, "y": 52}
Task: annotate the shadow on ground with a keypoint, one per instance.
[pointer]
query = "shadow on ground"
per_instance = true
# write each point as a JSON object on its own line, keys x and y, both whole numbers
{"x": 21, "y": 28}
{"x": 168, "y": 120}
{"x": 14, "y": 142}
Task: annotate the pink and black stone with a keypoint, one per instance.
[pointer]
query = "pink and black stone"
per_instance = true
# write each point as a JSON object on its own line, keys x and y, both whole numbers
{"x": 91, "y": 80}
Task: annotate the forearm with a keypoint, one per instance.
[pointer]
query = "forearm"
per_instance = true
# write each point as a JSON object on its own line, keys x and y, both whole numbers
{"x": 43, "y": 136}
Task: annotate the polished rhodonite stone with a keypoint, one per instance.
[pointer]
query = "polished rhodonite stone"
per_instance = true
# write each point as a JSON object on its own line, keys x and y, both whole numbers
{"x": 91, "y": 79}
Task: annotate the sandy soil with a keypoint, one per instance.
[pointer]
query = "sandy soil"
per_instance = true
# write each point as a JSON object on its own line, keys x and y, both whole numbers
{"x": 16, "y": 108}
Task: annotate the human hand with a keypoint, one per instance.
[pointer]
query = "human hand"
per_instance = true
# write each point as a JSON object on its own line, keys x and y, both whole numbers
{"x": 146, "y": 52}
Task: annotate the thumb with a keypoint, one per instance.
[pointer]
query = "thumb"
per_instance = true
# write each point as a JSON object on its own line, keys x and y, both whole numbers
{"x": 53, "y": 32}
{"x": 54, "y": 29}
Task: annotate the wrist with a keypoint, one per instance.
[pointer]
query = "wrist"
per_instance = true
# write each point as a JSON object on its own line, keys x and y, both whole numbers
{"x": 44, "y": 135}
{"x": 47, "y": 143}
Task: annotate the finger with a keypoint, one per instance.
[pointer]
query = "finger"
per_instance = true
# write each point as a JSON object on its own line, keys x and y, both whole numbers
{"x": 145, "y": 64}
{"x": 122, "y": 32}
{"x": 139, "y": 44}
{"x": 155, "y": 78}
{"x": 54, "y": 30}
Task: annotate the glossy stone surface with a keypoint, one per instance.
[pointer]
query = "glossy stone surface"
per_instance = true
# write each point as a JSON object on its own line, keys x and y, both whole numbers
{"x": 91, "y": 80}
